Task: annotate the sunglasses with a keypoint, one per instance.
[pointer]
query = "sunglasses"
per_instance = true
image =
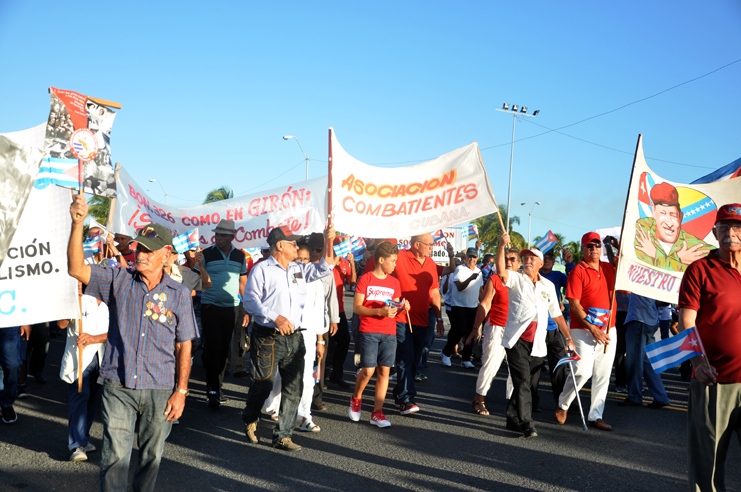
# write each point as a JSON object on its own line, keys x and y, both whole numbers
{"x": 292, "y": 243}
{"x": 511, "y": 259}
{"x": 317, "y": 250}
{"x": 593, "y": 246}
{"x": 724, "y": 228}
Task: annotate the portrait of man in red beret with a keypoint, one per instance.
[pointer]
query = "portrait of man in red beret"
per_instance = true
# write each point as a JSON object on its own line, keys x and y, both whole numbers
{"x": 660, "y": 239}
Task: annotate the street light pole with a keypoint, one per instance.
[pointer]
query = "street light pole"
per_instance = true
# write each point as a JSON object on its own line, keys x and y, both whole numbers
{"x": 302, "y": 151}
{"x": 163, "y": 188}
{"x": 515, "y": 114}
{"x": 529, "y": 218}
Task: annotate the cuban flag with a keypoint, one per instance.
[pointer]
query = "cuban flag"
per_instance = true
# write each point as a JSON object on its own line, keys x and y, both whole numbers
{"x": 472, "y": 230}
{"x": 406, "y": 246}
{"x": 644, "y": 194}
{"x": 598, "y": 317}
{"x": 344, "y": 248}
{"x": 393, "y": 304}
{"x": 567, "y": 359}
{"x": 93, "y": 244}
{"x": 438, "y": 236}
{"x": 729, "y": 171}
{"x": 548, "y": 241}
{"x": 186, "y": 242}
{"x": 668, "y": 353}
{"x": 61, "y": 172}
{"x": 357, "y": 246}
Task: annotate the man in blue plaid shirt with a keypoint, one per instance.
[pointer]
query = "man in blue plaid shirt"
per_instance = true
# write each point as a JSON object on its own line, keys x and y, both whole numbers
{"x": 146, "y": 365}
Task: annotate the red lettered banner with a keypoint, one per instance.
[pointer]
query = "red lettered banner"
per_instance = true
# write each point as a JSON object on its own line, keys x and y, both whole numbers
{"x": 405, "y": 201}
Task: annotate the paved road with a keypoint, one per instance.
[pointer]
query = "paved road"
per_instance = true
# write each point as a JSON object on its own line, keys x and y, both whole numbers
{"x": 445, "y": 447}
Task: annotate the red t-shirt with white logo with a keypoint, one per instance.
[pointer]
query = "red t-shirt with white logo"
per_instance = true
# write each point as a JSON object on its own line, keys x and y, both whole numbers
{"x": 376, "y": 291}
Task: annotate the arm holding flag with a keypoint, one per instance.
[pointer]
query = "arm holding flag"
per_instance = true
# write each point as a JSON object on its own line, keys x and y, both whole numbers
{"x": 704, "y": 372}
{"x": 581, "y": 314}
{"x": 205, "y": 279}
{"x": 76, "y": 266}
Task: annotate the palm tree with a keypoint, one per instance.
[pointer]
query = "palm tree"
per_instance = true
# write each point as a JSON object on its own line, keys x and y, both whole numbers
{"x": 490, "y": 230}
{"x": 223, "y": 193}
{"x": 98, "y": 208}
{"x": 575, "y": 249}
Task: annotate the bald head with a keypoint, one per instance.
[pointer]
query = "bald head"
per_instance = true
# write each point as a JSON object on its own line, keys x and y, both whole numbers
{"x": 422, "y": 245}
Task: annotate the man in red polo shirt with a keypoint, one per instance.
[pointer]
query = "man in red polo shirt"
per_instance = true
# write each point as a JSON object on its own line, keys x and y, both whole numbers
{"x": 588, "y": 290}
{"x": 417, "y": 274}
{"x": 708, "y": 299}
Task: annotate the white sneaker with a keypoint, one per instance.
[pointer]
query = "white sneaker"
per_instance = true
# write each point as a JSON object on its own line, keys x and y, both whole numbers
{"x": 90, "y": 447}
{"x": 380, "y": 420}
{"x": 78, "y": 455}
{"x": 354, "y": 411}
{"x": 468, "y": 365}
{"x": 446, "y": 360}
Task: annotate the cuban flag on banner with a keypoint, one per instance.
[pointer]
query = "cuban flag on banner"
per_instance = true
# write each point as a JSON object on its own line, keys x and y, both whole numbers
{"x": 598, "y": 317}
{"x": 568, "y": 359}
{"x": 472, "y": 230}
{"x": 729, "y": 171}
{"x": 672, "y": 351}
{"x": 93, "y": 244}
{"x": 548, "y": 241}
{"x": 644, "y": 195}
{"x": 61, "y": 172}
{"x": 186, "y": 242}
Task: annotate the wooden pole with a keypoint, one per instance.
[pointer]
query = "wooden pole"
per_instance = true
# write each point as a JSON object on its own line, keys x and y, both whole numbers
{"x": 103, "y": 102}
{"x": 622, "y": 230}
{"x": 409, "y": 320}
{"x": 79, "y": 349}
{"x": 329, "y": 179}
{"x": 499, "y": 216}
{"x": 111, "y": 208}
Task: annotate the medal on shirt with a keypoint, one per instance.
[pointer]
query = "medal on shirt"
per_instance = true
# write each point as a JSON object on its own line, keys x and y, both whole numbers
{"x": 158, "y": 312}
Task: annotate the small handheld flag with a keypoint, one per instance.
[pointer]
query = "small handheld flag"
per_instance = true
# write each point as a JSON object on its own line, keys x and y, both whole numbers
{"x": 567, "y": 359}
{"x": 598, "y": 317}
{"x": 472, "y": 230}
{"x": 672, "y": 351}
{"x": 186, "y": 241}
{"x": 93, "y": 244}
{"x": 548, "y": 242}
{"x": 393, "y": 304}
{"x": 438, "y": 236}
{"x": 355, "y": 246}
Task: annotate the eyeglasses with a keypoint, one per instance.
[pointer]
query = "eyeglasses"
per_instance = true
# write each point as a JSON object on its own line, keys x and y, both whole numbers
{"x": 724, "y": 228}
{"x": 317, "y": 250}
{"x": 593, "y": 246}
{"x": 511, "y": 259}
{"x": 292, "y": 243}
{"x": 429, "y": 245}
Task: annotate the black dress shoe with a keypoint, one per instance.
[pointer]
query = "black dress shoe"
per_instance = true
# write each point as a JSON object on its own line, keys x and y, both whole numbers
{"x": 40, "y": 378}
{"x": 529, "y": 432}
{"x": 340, "y": 382}
{"x": 514, "y": 427}
{"x": 657, "y": 404}
{"x": 627, "y": 402}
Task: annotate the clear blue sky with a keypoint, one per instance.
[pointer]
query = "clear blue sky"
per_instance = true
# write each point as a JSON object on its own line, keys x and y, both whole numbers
{"x": 209, "y": 88}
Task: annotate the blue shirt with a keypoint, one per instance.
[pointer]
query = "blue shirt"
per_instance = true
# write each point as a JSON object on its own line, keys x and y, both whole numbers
{"x": 144, "y": 326}
{"x": 559, "y": 280}
{"x": 224, "y": 272}
{"x": 642, "y": 309}
{"x": 274, "y": 291}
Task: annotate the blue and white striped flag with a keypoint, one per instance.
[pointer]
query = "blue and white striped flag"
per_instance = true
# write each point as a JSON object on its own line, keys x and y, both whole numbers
{"x": 61, "y": 172}
{"x": 672, "y": 351}
{"x": 186, "y": 242}
{"x": 344, "y": 248}
{"x": 472, "y": 230}
{"x": 548, "y": 241}
{"x": 92, "y": 244}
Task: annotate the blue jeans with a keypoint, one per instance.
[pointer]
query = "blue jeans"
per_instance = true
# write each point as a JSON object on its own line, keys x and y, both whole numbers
{"x": 408, "y": 352}
{"x": 271, "y": 353}
{"x": 123, "y": 409}
{"x": 664, "y": 325}
{"x": 10, "y": 364}
{"x": 83, "y": 406}
{"x": 637, "y": 366}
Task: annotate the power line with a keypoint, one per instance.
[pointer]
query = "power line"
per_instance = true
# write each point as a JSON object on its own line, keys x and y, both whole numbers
{"x": 303, "y": 161}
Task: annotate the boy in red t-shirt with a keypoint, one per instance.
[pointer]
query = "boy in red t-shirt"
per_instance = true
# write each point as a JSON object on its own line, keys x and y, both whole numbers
{"x": 377, "y": 335}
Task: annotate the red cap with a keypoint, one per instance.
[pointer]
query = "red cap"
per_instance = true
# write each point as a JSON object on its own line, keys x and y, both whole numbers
{"x": 590, "y": 237}
{"x": 730, "y": 211}
{"x": 664, "y": 194}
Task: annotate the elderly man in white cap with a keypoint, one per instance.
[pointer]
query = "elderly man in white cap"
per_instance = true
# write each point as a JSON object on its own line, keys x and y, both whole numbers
{"x": 227, "y": 268}
{"x": 532, "y": 298}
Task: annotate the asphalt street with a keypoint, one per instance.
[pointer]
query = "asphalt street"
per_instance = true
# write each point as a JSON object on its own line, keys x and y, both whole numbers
{"x": 444, "y": 447}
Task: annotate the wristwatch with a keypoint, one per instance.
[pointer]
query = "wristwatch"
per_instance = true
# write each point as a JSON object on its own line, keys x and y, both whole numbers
{"x": 185, "y": 392}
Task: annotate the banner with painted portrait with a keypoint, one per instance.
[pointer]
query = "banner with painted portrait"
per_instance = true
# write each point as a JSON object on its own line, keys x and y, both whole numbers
{"x": 79, "y": 127}
{"x": 666, "y": 227}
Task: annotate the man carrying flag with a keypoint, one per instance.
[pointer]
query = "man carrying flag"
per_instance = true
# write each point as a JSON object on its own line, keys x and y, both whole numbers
{"x": 708, "y": 299}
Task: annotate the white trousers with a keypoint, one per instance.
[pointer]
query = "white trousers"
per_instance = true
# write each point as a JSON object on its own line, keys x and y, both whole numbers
{"x": 491, "y": 358}
{"x": 272, "y": 403}
{"x": 595, "y": 364}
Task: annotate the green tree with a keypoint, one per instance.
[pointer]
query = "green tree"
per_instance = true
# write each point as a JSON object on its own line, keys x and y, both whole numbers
{"x": 490, "y": 230}
{"x": 98, "y": 208}
{"x": 575, "y": 248}
{"x": 223, "y": 193}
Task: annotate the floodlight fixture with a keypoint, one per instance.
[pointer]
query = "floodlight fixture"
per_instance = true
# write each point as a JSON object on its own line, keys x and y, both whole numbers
{"x": 524, "y": 109}
{"x": 536, "y": 112}
{"x": 505, "y": 106}
{"x": 514, "y": 107}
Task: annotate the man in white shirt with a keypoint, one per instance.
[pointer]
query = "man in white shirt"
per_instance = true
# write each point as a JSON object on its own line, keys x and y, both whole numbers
{"x": 531, "y": 298}
{"x": 464, "y": 302}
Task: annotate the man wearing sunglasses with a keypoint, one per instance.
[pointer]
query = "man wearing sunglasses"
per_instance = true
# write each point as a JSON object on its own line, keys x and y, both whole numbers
{"x": 275, "y": 296}
{"x": 589, "y": 290}
{"x": 147, "y": 357}
{"x": 227, "y": 268}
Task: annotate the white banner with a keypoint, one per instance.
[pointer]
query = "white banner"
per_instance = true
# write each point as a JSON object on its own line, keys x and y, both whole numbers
{"x": 454, "y": 236}
{"x": 34, "y": 284}
{"x": 667, "y": 226}
{"x": 301, "y": 207}
{"x": 401, "y": 202}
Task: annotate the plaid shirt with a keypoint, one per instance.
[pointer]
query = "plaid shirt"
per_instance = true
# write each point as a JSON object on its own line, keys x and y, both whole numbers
{"x": 140, "y": 351}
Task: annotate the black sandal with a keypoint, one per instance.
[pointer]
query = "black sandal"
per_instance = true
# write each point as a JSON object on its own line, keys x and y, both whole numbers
{"x": 479, "y": 407}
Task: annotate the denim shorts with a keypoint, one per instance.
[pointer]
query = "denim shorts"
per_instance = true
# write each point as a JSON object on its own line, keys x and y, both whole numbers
{"x": 377, "y": 349}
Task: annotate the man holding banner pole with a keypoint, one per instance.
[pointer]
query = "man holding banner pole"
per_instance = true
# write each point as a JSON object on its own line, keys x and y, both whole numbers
{"x": 708, "y": 299}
